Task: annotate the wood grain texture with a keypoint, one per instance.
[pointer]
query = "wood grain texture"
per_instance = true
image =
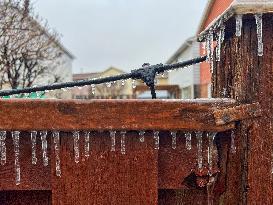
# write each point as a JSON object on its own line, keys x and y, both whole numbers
{"x": 112, "y": 114}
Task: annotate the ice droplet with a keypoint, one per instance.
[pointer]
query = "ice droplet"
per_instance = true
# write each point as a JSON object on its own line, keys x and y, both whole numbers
{"x": 141, "y": 136}
{"x": 3, "y": 148}
{"x": 188, "y": 140}
{"x": 16, "y": 144}
{"x": 108, "y": 84}
{"x": 33, "y": 137}
{"x": 122, "y": 82}
{"x": 133, "y": 84}
{"x": 156, "y": 140}
{"x": 259, "y": 22}
{"x": 173, "y": 134}
{"x": 113, "y": 140}
{"x": 86, "y": 144}
{"x": 239, "y": 24}
{"x": 93, "y": 89}
{"x": 211, "y": 137}
{"x": 76, "y": 138}
{"x": 56, "y": 140}
{"x": 199, "y": 149}
{"x": 43, "y": 135}
{"x": 123, "y": 142}
{"x": 232, "y": 144}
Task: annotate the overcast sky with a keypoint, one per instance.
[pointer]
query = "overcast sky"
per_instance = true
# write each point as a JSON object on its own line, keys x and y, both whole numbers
{"x": 121, "y": 33}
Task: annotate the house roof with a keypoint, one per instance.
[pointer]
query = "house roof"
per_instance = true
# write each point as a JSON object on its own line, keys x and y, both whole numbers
{"x": 240, "y": 7}
{"x": 181, "y": 49}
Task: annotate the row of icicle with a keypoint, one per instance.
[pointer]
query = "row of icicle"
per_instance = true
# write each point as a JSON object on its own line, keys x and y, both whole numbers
{"x": 219, "y": 32}
{"x": 86, "y": 135}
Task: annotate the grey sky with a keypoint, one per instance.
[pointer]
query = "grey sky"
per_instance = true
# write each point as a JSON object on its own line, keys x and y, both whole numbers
{"x": 121, "y": 33}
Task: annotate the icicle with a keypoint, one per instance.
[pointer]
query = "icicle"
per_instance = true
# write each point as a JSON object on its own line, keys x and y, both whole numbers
{"x": 33, "y": 136}
{"x": 173, "y": 134}
{"x": 3, "y": 148}
{"x": 86, "y": 144}
{"x": 76, "y": 138}
{"x": 156, "y": 139}
{"x": 16, "y": 144}
{"x": 64, "y": 89}
{"x": 134, "y": 84}
{"x": 43, "y": 135}
{"x": 223, "y": 34}
{"x": 211, "y": 137}
{"x": 122, "y": 82}
{"x": 199, "y": 149}
{"x": 188, "y": 140}
{"x": 93, "y": 89}
{"x": 208, "y": 50}
{"x": 141, "y": 135}
{"x": 108, "y": 84}
{"x": 123, "y": 142}
{"x": 232, "y": 144}
{"x": 219, "y": 44}
{"x": 272, "y": 162}
{"x": 56, "y": 139}
{"x": 113, "y": 140}
{"x": 239, "y": 24}
{"x": 259, "y": 22}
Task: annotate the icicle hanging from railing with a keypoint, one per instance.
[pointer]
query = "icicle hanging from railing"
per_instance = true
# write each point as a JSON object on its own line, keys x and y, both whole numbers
{"x": 232, "y": 142}
{"x": 188, "y": 140}
{"x": 16, "y": 144}
{"x": 259, "y": 22}
{"x": 93, "y": 89}
{"x": 173, "y": 134}
{"x": 76, "y": 138}
{"x": 239, "y": 24}
{"x": 56, "y": 140}
{"x": 199, "y": 136}
{"x": 113, "y": 140}
{"x": 3, "y": 149}
{"x": 86, "y": 144}
{"x": 43, "y": 135}
{"x": 123, "y": 142}
{"x": 211, "y": 137}
{"x": 33, "y": 137}
{"x": 141, "y": 136}
{"x": 156, "y": 140}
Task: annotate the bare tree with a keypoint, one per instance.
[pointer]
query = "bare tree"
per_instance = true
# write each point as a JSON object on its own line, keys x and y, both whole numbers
{"x": 28, "y": 47}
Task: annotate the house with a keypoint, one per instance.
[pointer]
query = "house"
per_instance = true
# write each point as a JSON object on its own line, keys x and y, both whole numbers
{"x": 213, "y": 9}
{"x": 188, "y": 79}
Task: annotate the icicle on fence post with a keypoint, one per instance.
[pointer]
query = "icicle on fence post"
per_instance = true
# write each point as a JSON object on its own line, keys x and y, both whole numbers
{"x": 43, "y": 135}
{"x": 199, "y": 137}
{"x": 16, "y": 144}
{"x": 76, "y": 138}
{"x": 133, "y": 84}
{"x": 220, "y": 40}
{"x": 211, "y": 137}
{"x": 113, "y": 140}
{"x": 259, "y": 22}
{"x": 86, "y": 144}
{"x": 188, "y": 140}
{"x": 33, "y": 136}
{"x": 56, "y": 140}
{"x": 173, "y": 134}
{"x": 3, "y": 148}
{"x": 239, "y": 24}
{"x": 142, "y": 136}
{"x": 93, "y": 89}
{"x": 232, "y": 142}
{"x": 123, "y": 142}
{"x": 156, "y": 140}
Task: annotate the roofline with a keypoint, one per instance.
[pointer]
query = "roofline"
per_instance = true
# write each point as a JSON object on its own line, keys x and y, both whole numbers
{"x": 183, "y": 47}
{"x": 205, "y": 15}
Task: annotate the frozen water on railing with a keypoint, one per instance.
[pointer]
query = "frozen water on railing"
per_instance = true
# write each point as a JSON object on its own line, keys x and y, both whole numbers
{"x": 43, "y": 135}
{"x": 239, "y": 24}
{"x": 113, "y": 140}
{"x": 188, "y": 140}
{"x": 87, "y": 144}
{"x": 232, "y": 144}
{"x": 3, "y": 149}
{"x": 156, "y": 140}
{"x": 211, "y": 137}
{"x": 199, "y": 138}
{"x": 123, "y": 142}
{"x": 56, "y": 140}
{"x": 16, "y": 144}
{"x": 141, "y": 136}
{"x": 76, "y": 138}
{"x": 259, "y": 22}
{"x": 93, "y": 89}
{"x": 173, "y": 134}
{"x": 33, "y": 136}
{"x": 133, "y": 84}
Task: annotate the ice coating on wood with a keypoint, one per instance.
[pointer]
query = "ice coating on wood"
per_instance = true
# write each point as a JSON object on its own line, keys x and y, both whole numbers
{"x": 188, "y": 140}
{"x": 199, "y": 139}
{"x": 173, "y": 134}
{"x": 232, "y": 142}
{"x": 239, "y": 24}
{"x": 43, "y": 135}
{"x": 141, "y": 136}
{"x": 93, "y": 89}
{"x": 33, "y": 136}
{"x": 3, "y": 149}
{"x": 76, "y": 138}
{"x": 211, "y": 137}
{"x": 259, "y": 23}
{"x": 156, "y": 140}
{"x": 86, "y": 144}
{"x": 113, "y": 140}
{"x": 123, "y": 142}
{"x": 56, "y": 140}
{"x": 16, "y": 144}
{"x": 220, "y": 39}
